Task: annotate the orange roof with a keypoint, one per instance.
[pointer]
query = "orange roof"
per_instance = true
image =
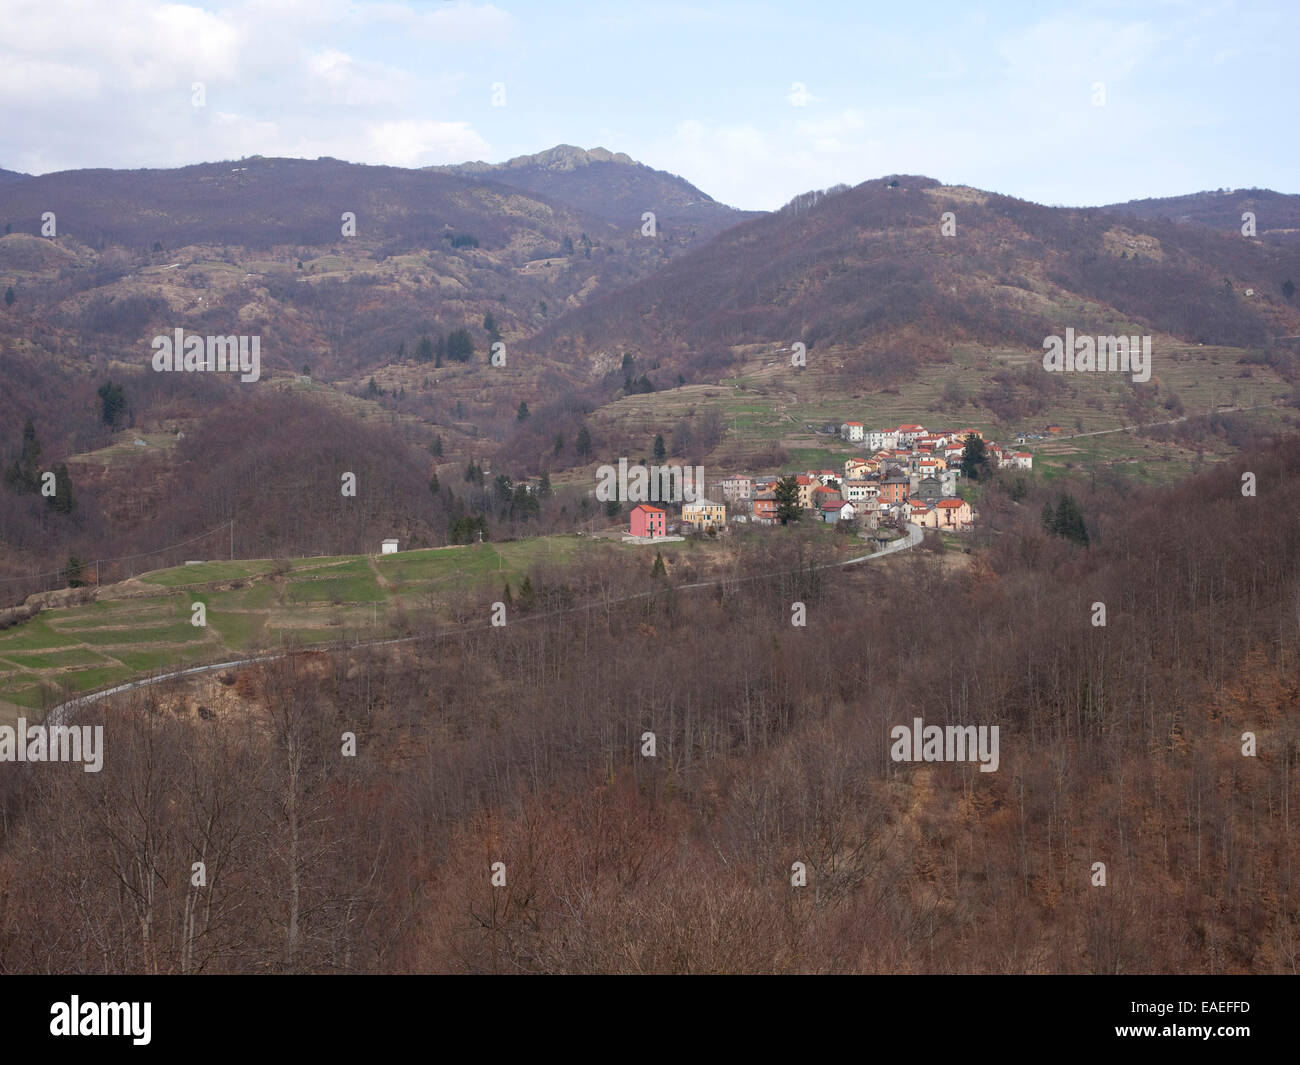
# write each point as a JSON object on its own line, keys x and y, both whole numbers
{"x": 951, "y": 504}
{"x": 649, "y": 509}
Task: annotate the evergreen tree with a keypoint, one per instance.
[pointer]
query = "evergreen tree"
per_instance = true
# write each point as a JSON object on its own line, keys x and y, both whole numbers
{"x": 658, "y": 569}
{"x": 544, "y": 488}
{"x": 1066, "y": 520}
{"x": 523, "y": 504}
{"x": 583, "y": 446}
{"x": 424, "y": 350}
{"x": 1069, "y": 521}
{"x": 62, "y": 502}
{"x": 522, "y": 414}
{"x": 433, "y": 484}
{"x": 435, "y": 448}
{"x": 9, "y": 296}
{"x": 112, "y": 404}
{"x": 660, "y": 451}
{"x": 490, "y": 327}
{"x": 23, "y": 475}
{"x": 460, "y": 345}
{"x": 527, "y": 597}
{"x": 72, "y": 572}
{"x": 787, "y": 500}
{"x": 559, "y": 445}
{"x": 974, "y": 458}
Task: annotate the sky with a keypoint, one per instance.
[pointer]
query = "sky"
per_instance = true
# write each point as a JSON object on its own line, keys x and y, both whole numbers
{"x": 754, "y": 103}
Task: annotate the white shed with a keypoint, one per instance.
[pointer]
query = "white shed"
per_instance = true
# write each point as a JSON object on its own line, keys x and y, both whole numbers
{"x": 389, "y": 547}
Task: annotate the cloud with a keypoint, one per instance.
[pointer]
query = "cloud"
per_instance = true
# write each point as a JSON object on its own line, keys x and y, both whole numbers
{"x": 423, "y": 143}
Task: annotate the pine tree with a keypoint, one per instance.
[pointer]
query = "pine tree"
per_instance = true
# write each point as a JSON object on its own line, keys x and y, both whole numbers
{"x": 658, "y": 569}
{"x": 522, "y": 414}
{"x": 660, "y": 451}
{"x": 460, "y": 345}
{"x": 112, "y": 404}
{"x": 62, "y": 502}
{"x": 583, "y": 445}
{"x": 23, "y": 475}
{"x": 974, "y": 458}
{"x": 787, "y": 500}
{"x": 1069, "y": 521}
{"x": 72, "y": 572}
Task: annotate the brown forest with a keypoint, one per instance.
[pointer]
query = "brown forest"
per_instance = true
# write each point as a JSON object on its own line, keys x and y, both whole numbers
{"x": 522, "y": 745}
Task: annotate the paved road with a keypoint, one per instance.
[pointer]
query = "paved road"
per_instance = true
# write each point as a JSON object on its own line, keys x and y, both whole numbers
{"x": 62, "y": 714}
{"x": 1148, "y": 425}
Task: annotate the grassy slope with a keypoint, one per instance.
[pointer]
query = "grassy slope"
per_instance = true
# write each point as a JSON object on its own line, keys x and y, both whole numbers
{"x": 250, "y": 607}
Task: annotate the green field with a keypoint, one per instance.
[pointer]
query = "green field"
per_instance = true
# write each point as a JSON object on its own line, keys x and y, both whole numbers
{"x": 251, "y": 605}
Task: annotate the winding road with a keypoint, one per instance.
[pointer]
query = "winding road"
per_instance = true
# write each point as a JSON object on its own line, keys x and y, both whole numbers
{"x": 63, "y": 712}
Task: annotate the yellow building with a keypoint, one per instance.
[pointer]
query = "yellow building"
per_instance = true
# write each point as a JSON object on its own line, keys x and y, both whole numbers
{"x": 704, "y": 513}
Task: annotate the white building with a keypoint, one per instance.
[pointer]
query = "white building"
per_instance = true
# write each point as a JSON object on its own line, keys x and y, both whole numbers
{"x": 388, "y": 547}
{"x": 736, "y": 489}
{"x": 882, "y": 439}
{"x": 855, "y": 490}
{"x": 852, "y": 432}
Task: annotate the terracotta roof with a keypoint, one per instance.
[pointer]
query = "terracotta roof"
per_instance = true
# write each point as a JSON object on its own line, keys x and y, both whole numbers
{"x": 649, "y": 509}
{"x": 951, "y": 504}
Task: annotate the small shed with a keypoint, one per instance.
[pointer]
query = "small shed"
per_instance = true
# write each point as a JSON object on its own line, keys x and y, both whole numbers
{"x": 389, "y": 547}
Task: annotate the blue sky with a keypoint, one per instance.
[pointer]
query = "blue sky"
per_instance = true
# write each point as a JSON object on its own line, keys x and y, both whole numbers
{"x": 753, "y": 102}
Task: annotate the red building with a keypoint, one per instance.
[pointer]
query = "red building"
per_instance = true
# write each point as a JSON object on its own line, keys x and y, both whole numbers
{"x": 765, "y": 507}
{"x": 648, "y": 521}
{"x": 895, "y": 489}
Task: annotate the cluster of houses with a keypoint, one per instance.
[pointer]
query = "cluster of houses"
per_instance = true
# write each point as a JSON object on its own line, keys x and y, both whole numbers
{"x": 910, "y": 476}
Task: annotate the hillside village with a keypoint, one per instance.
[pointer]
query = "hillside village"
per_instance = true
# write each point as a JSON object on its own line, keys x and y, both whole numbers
{"x": 909, "y": 476}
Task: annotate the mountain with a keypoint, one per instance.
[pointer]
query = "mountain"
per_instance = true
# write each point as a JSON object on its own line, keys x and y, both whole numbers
{"x": 1277, "y": 214}
{"x": 626, "y": 336}
{"x": 867, "y": 271}
{"x": 12, "y": 175}
{"x": 259, "y": 242}
{"x": 612, "y": 186}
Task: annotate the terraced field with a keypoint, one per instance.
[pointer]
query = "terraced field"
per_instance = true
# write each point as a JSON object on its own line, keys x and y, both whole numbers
{"x": 770, "y": 403}
{"x": 145, "y": 624}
